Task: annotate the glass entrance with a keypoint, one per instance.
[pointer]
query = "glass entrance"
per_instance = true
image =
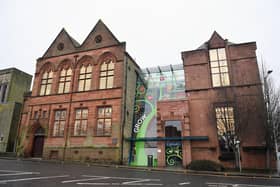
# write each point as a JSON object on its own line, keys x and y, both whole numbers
{"x": 173, "y": 148}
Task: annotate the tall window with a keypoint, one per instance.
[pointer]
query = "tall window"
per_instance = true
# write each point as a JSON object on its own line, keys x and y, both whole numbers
{"x": 225, "y": 128}
{"x": 59, "y": 122}
{"x": 106, "y": 77}
{"x": 104, "y": 121}
{"x": 219, "y": 67}
{"x": 64, "y": 81}
{"x": 85, "y": 78}
{"x": 3, "y": 92}
{"x": 46, "y": 83}
{"x": 80, "y": 127}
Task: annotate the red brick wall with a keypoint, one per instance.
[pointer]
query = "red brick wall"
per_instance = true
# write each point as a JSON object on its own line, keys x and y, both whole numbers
{"x": 244, "y": 94}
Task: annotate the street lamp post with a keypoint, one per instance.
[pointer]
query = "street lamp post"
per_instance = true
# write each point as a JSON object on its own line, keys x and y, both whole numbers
{"x": 269, "y": 119}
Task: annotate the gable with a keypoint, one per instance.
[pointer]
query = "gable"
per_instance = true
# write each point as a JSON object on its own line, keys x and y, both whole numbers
{"x": 100, "y": 36}
{"x": 216, "y": 41}
{"x": 63, "y": 44}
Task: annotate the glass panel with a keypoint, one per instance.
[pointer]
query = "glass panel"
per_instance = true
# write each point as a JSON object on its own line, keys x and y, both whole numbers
{"x": 225, "y": 79}
{"x": 213, "y": 55}
{"x": 55, "y": 128}
{"x": 85, "y": 114}
{"x": 42, "y": 91}
{"x": 100, "y": 123}
{"x": 89, "y": 69}
{"x": 44, "y": 81}
{"x": 214, "y": 64}
{"x": 88, "y": 75}
{"x": 63, "y": 72}
{"x": 223, "y": 63}
{"x": 111, "y": 72}
{"x": 108, "y": 112}
{"x": 78, "y": 113}
{"x": 63, "y": 114}
{"x": 49, "y": 80}
{"x": 110, "y": 81}
{"x": 82, "y": 76}
{"x": 60, "y": 87}
{"x": 216, "y": 80}
{"x": 81, "y": 85}
{"x": 111, "y": 65}
{"x": 45, "y": 75}
{"x": 62, "y": 79}
{"x": 48, "y": 89}
{"x": 69, "y": 72}
{"x": 68, "y": 78}
{"x": 107, "y": 123}
{"x": 57, "y": 115}
{"x": 50, "y": 74}
{"x": 215, "y": 70}
{"x": 224, "y": 69}
{"x": 82, "y": 70}
{"x": 67, "y": 87}
{"x": 84, "y": 127}
{"x": 61, "y": 129}
{"x": 103, "y": 73}
{"x": 102, "y": 83}
{"x": 222, "y": 53}
{"x": 77, "y": 128}
{"x": 87, "y": 85}
{"x": 101, "y": 112}
{"x": 103, "y": 66}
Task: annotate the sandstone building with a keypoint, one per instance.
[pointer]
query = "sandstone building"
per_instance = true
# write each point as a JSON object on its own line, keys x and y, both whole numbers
{"x": 13, "y": 84}
{"x": 91, "y": 101}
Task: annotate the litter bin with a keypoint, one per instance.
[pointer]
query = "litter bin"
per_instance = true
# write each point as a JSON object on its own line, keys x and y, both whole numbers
{"x": 150, "y": 160}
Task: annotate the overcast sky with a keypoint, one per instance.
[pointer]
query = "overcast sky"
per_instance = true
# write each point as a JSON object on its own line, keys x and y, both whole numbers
{"x": 156, "y": 31}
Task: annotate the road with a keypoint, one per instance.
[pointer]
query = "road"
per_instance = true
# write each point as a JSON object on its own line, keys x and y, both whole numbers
{"x": 33, "y": 174}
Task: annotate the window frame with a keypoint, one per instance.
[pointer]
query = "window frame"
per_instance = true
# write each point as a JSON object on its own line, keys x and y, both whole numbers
{"x": 219, "y": 67}
{"x": 104, "y": 118}
{"x": 80, "y": 120}
{"x": 226, "y": 148}
{"x": 107, "y": 74}
{"x": 84, "y": 77}
{"x": 46, "y": 83}
{"x": 67, "y": 79}
{"x": 59, "y": 123}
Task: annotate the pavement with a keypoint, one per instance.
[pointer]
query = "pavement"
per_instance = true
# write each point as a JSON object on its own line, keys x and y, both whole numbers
{"x": 157, "y": 169}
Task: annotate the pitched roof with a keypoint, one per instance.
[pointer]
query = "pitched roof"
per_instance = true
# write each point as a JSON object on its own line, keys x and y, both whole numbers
{"x": 62, "y": 44}
{"x": 107, "y": 37}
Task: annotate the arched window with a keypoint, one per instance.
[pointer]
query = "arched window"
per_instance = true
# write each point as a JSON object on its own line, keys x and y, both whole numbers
{"x": 85, "y": 78}
{"x": 64, "y": 81}
{"x": 46, "y": 83}
{"x": 106, "y": 78}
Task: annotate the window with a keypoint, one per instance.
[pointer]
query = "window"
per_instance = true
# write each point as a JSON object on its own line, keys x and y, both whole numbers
{"x": 46, "y": 83}
{"x": 59, "y": 122}
{"x": 80, "y": 127}
{"x": 36, "y": 115}
{"x": 219, "y": 67}
{"x": 45, "y": 114}
{"x": 106, "y": 77}
{"x": 225, "y": 128}
{"x": 3, "y": 92}
{"x": 85, "y": 78}
{"x": 104, "y": 121}
{"x": 64, "y": 81}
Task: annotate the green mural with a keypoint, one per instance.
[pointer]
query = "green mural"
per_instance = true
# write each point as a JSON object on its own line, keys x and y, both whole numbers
{"x": 160, "y": 83}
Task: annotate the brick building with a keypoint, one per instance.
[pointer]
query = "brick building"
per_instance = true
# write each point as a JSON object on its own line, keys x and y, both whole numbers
{"x": 81, "y": 104}
{"x": 92, "y": 102}
{"x": 224, "y": 103}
